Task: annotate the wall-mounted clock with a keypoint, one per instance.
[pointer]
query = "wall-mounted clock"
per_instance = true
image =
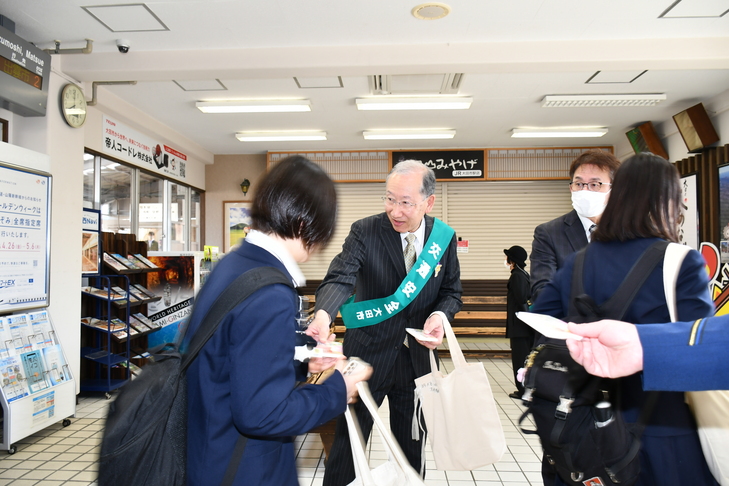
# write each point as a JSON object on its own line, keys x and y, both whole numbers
{"x": 73, "y": 105}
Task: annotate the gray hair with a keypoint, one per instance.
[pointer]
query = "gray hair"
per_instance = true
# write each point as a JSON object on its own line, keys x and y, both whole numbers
{"x": 410, "y": 166}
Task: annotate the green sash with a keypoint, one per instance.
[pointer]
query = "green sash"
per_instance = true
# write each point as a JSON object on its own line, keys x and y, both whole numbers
{"x": 371, "y": 312}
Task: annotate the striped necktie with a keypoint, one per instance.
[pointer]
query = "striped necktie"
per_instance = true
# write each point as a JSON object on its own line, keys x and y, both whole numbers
{"x": 409, "y": 252}
{"x": 409, "y": 255}
{"x": 592, "y": 230}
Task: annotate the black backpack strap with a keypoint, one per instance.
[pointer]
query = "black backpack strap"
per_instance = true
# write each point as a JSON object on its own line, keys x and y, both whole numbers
{"x": 645, "y": 412}
{"x": 617, "y": 305}
{"x": 239, "y": 290}
{"x": 577, "y": 288}
{"x": 232, "y": 469}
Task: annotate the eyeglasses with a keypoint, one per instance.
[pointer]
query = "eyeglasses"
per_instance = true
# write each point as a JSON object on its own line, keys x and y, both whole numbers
{"x": 591, "y": 186}
{"x": 404, "y": 205}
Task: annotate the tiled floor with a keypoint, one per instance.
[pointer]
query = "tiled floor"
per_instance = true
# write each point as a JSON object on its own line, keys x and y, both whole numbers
{"x": 67, "y": 455}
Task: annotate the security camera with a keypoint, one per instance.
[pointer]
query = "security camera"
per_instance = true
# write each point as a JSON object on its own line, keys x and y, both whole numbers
{"x": 122, "y": 45}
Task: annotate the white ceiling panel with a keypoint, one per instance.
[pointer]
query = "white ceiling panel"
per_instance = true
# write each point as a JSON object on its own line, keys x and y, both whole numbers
{"x": 511, "y": 54}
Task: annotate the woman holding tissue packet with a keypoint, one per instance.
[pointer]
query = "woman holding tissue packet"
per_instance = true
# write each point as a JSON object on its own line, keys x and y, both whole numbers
{"x": 644, "y": 207}
{"x": 246, "y": 381}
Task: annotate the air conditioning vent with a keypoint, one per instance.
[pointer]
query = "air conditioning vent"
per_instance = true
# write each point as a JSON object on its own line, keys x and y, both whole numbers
{"x": 415, "y": 84}
{"x": 380, "y": 84}
{"x": 452, "y": 83}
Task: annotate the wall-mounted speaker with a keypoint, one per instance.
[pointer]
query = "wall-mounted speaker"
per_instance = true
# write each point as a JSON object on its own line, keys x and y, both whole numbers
{"x": 696, "y": 128}
{"x": 644, "y": 138}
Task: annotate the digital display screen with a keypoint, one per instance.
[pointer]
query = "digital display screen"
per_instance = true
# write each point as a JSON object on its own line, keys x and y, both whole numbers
{"x": 19, "y": 72}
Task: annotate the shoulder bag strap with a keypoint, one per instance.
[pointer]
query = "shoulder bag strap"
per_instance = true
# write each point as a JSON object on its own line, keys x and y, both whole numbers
{"x": 239, "y": 290}
{"x": 672, "y": 262}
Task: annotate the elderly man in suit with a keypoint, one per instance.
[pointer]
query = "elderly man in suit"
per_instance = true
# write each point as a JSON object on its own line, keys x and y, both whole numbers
{"x": 591, "y": 175}
{"x": 387, "y": 257}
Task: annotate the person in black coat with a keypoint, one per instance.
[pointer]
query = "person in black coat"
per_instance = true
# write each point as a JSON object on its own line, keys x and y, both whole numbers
{"x": 521, "y": 336}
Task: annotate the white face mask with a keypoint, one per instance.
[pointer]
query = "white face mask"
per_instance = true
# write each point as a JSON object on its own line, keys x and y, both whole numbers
{"x": 506, "y": 264}
{"x": 589, "y": 204}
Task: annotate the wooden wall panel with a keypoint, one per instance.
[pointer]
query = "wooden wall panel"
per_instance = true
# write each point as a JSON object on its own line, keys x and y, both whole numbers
{"x": 706, "y": 165}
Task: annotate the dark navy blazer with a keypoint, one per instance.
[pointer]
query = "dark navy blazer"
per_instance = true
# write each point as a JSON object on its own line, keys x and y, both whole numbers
{"x": 606, "y": 265}
{"x": 682, "y": 356}
{"x": 245, "y": 381}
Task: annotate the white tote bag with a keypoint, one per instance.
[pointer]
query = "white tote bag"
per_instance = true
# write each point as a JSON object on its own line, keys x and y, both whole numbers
{"x": 397, "y": 470}
{"x": 460, "y": 413}
{"x": 710, "y": 408}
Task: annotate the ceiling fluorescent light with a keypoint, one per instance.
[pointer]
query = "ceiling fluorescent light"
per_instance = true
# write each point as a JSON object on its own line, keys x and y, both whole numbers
{"x": 565, "y": 132}
{"x": 604, "y": 100}
{"x": 301, "y": 136}
{"x": 253, "y": 106}
{"x": 408, "y": 134}
{"x": 414, "y": 103}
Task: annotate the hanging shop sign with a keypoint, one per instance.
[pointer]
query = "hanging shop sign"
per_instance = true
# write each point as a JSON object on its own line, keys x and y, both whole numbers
{"x": 448, "y": 165}
{"x": 124, "y": 143}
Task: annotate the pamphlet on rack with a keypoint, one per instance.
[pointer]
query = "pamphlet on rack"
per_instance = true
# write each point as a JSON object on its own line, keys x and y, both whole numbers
{"x": 14, "y": 384}
{"x": 35, "y": 372}
{"x": 58, "y": 371}
{"x": 20, "y": 332}
{"x": 41, "y": 329}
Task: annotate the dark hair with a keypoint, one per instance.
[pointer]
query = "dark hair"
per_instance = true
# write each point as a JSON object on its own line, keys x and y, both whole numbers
{"x": 599, "y": 158}
{"x": 427, "y": 188}
{"x": 296, "y": 199}
{"x": 645, "y": 201}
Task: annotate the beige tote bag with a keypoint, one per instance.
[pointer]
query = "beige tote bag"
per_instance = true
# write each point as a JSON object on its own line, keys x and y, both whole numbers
{"x": 460, "y": 413}
{"x": 397, "y": 470}
{"x": 710, "y": 408}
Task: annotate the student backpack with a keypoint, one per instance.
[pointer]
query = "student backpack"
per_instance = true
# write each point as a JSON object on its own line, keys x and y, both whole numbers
{"x": 145, "y": 435}
{"x": 587, "y": 442}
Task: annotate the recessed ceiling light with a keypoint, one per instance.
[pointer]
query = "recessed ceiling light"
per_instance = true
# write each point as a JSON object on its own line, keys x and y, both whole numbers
{"x": 603, "y": 100}
{"x": 253, "y": 106}
{"x": 434, "y": 134}
{"x": 559, "y": 132}
{"x": 431, "y": 11}
{"x": 414, "y": 103}
{"x": 281, "y": 136}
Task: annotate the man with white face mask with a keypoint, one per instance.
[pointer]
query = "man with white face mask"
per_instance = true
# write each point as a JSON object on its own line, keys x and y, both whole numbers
{"x": 591, "y": 175}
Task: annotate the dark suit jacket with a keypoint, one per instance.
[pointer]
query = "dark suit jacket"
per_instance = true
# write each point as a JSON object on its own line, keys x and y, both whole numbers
{"x": 245, "y": 381}
{"x": 517, "y": 296}
{"x": 372, "y": 260}
{"x": 553, "y": 242}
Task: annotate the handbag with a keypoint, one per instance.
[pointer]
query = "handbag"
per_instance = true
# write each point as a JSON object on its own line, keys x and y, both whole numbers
{"x": 462, "y": 420}
{"x": 710, "y": 408}
{"x": 397, "y": 471}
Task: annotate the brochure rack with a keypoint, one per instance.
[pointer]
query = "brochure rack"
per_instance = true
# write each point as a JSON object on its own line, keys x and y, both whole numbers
{"x": 106, "y": 329}
{"x": 114, "y": 324}
{"x": 37, "y": 387}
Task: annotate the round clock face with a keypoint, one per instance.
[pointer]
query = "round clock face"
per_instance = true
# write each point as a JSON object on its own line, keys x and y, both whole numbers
{"x": 73, "y": 105}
